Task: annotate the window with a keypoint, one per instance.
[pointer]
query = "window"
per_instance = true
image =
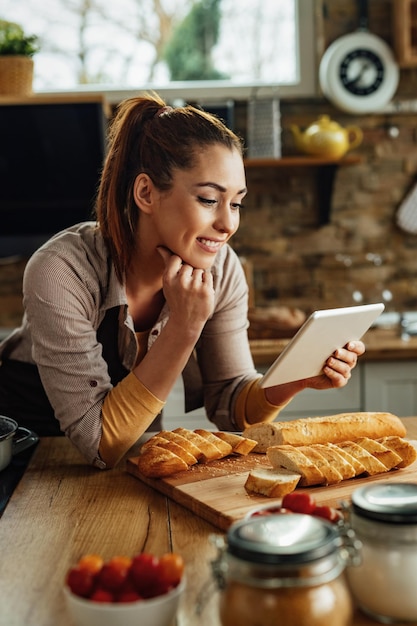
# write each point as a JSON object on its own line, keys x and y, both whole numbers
{"x": 253, "y": 46}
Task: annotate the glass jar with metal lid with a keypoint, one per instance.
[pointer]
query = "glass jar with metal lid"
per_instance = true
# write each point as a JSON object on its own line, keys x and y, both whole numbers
{"x": 384, "y": 518}
{"x": 283, "y": 569}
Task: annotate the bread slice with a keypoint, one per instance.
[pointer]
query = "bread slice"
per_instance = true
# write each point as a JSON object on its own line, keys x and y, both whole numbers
{"x": 371, "y": 464}
{"x": 330, "y": 428}
{"x": 182, "y": 452}
{"x": 157, "y": 462}
{"x": 190, "y": 459}
{"x": 240, "y": 445}
{"x": 337, "y": 459}
{"x": 181, "y": 441}
{"x": 207, "y": 451}
{"x": 389, "y": 458}
{"x": 292, "y": 459}
{"x": 153, "y": 441}
{"x": 271, "y": 482}
{"x": 357, "y": 465}
{"x": 329, "y": 471}
{"x": 402, "y": 447}
{"x": 224, "y": 447}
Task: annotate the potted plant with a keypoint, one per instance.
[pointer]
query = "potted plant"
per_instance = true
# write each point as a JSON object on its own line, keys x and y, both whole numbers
{"x": 16, "y": 62}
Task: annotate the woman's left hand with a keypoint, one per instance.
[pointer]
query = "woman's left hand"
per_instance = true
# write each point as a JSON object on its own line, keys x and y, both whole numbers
{"x": 338, "y": 368}
{"x": 336, "y": 373}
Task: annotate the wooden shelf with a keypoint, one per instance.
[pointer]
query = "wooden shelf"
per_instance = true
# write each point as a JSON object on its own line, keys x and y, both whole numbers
{"x": 326, "y": 173}
{"x": 405, "y": 32}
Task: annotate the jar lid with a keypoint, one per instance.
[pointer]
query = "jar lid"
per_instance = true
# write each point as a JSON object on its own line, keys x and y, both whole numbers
{"x": 387, "y": 502}
{"x": 281, "y": 539}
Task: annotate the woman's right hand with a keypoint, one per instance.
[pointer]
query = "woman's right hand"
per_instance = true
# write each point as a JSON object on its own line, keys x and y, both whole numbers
{"x": 188, "y": 291}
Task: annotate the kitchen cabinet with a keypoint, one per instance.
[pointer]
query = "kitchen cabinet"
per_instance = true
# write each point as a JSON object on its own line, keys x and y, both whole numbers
{"x": 386, "y": 386}
{"x": 310, "y": 402}
{"x": 390, "y": 386}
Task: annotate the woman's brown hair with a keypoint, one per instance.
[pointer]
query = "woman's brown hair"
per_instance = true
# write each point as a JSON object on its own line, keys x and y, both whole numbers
{"x": 148, "y": 136}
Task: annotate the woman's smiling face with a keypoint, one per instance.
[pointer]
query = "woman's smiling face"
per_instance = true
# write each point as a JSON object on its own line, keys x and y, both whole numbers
{"x": 201, "y": 211}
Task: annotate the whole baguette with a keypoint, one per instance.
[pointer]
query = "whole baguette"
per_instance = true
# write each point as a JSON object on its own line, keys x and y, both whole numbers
{"x": 329, "y": 428}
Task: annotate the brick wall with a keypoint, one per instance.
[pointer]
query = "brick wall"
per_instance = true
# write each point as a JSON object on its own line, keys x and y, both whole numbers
{"x": 296, "y": 259}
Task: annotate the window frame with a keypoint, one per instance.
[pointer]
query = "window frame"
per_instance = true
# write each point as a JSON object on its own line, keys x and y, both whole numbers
{"x": 206, "y": 91}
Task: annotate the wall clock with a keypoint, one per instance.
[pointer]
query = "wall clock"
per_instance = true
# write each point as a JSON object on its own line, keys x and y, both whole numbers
{"x": 358, "y": 73}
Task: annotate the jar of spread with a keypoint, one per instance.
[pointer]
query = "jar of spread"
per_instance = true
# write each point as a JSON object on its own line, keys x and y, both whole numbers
{"x": 384, "y": 518}
{"x": 283, "y": 569}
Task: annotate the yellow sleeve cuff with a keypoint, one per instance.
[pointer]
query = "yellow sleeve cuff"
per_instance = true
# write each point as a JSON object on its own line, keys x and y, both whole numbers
{"x": 252, "y": 406}
{"x": 128, "y": 410}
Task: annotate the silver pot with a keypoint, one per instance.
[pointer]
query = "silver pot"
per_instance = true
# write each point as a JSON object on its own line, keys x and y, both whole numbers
{"x": 13, "y": 439}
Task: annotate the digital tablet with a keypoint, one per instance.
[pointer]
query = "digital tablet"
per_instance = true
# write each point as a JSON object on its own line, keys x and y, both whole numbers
{"x": 320, "y": 335}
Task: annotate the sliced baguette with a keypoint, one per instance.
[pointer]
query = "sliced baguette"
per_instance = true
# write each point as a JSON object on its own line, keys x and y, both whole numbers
{"x": 371, "y": 464}
{"x": 207, "y": 451}
{"x": 181, "y": 441}
{"x": 240, "y": 445}
{"x": 157, "y": 462}
{"x": 330, "y": 428}
{"x": 388, "y": 457}
{"x": 153, "y": 441}
{"x": 292, "y": 459}
{"x": 182, "y": 452}
{"x": 402, "y": 447}
{"x": 224, "y": 447}
{"x": 190, "y": 459}
{"x": 329, "y": 471}
{"x": 336, "y": 458}
{"x": 358, "y": 466}
{"x": 271, "y": 482}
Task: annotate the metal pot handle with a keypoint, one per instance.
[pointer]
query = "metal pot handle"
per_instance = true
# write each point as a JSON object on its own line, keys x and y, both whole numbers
{"x": 23, "y": 439}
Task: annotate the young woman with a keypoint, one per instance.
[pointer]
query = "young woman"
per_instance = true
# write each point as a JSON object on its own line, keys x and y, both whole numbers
{"x": 116, "y": 310}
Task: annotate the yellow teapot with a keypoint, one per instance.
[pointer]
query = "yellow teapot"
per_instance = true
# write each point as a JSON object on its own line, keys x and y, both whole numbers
{"x": 326, "y": 138}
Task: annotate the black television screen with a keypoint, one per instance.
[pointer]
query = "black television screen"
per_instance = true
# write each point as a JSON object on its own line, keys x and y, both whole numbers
{"x": 51, "y": 155}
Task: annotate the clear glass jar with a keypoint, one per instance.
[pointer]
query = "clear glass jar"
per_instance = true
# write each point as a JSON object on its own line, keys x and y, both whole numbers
{"x": 283, "y": 569}
{"x": 384, "y": 517}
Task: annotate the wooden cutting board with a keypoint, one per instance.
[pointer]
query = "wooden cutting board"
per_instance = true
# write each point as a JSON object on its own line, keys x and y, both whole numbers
{"x": 215, "y": 491}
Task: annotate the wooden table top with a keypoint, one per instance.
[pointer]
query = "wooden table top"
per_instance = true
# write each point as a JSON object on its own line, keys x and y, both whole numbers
{"x": 62, "y": 509}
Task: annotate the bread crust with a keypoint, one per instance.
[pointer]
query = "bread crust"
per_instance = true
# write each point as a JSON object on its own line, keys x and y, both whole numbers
{"x": 181, "y": 441}
{"x": 291, "y": 458}
{"x": 371, "y": 464}
{"x": 208, "y": 451}
{"x": 329, "y": 471}
{"x": 338, "y": 457}
{"x": 240, "y": 445}
{"x": 402, "y": 447}
{"x": 388, "y": 457}
{"x": 224, "y": 447}
{"x": 157, "y": 462}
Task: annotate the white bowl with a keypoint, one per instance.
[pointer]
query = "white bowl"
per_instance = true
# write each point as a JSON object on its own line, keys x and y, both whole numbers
{"x": 158, "y": 611}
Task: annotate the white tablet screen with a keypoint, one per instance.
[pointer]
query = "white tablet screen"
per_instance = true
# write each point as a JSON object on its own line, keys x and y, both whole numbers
{"x": 320, "y": 335}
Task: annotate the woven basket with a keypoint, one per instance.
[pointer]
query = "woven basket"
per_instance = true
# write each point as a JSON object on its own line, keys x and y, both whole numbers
{"x": 16, "y": 75}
